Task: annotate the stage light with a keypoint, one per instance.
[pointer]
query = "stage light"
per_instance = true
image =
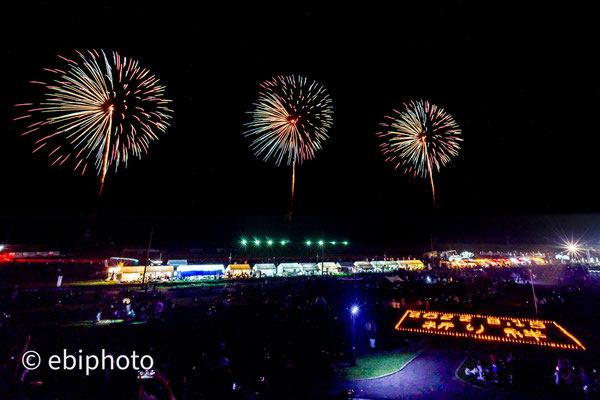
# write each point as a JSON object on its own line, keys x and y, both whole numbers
{"x": 354, "y": 310}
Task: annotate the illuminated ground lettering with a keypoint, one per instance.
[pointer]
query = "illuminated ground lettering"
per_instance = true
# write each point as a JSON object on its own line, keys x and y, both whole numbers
{"x": 429, "y": 324}
{"x": 534, "y": 334}
{"x": 499, "y": 329}
{"x": 512, "y": 332}
{"x": 517, "y": 323}
{"x": 537, "y": 325}
{"x": 446, "y": 325}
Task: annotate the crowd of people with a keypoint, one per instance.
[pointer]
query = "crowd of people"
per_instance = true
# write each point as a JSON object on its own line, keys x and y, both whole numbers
{"x": 494, "y": 369}
{"x": 577, "y": 376}
{"x": 261, "y": 338}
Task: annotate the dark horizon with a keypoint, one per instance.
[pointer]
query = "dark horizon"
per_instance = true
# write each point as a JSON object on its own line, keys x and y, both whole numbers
{"x": 365, "y": 234}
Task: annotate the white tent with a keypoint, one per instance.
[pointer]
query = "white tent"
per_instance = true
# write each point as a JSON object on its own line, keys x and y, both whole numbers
{"x": 363, "y": 266}
{"x": 385, "y": 265}
{"x": 234, "y": 270}
{"x": 136, "y": 273}
{"x": 200, "y": 271}
{"x": 264, "y": 269}
{"x": 310, "y": 269}
{"x": 177, "y": 262}
{"x": 411, "y": 264}
{"x": 285, "y": 269}
{"x": 330, "y": 267}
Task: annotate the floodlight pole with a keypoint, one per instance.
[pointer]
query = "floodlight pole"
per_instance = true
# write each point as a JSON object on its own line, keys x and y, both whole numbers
{"x": 146, "y": 266}
{"x": 533, "y": 291}
{"x": 323, "y": 259}
{"x": 353, "y": 355}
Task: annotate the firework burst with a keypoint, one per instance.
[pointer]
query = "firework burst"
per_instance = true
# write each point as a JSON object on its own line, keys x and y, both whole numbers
{"x": 420, "y": 138}
{"x": 99, "y": 109}
{"x": 290, "y": 121}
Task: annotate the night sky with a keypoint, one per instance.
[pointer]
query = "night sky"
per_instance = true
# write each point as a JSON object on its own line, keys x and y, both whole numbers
{"x": 521, "y": 81}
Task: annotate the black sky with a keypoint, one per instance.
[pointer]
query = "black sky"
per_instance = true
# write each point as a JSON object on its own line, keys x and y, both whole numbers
{"x": 521, "y": 81}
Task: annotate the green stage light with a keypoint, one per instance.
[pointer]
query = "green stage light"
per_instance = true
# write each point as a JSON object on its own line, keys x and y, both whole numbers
{"x": 283, "y": 242}
{"x": 321, "y": 243}
{"x": 243, "y": 242}
{"x": 333, "y": 242}
{"x": 308, "y": 242}
{"x": 345, "y": 243}
{"x": 270, "y": 242}
{"x": 257, "y": 242}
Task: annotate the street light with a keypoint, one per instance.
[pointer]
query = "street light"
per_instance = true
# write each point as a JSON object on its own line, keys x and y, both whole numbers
{"x": 321, "y": 245}
{"x": 353, "y": 312}
{"x": 573, "y": 247}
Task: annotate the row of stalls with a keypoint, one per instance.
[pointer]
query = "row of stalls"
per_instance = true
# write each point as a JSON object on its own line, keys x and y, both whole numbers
{"x": 493, "y": 262}
{"x": 127, "y": 273}
{"x": 388, "y": 266}
{"x": 181, "y": 270}
{"x": 135, "y": 273}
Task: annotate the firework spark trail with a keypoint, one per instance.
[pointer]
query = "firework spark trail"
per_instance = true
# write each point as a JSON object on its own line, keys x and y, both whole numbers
{"x": 420, "y": 138}
{"x": 99, "y": 108}
{"x": 290, "y": 121}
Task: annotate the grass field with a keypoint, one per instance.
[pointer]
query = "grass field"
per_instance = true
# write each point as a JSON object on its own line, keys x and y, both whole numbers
{"x": 372, "y": 365}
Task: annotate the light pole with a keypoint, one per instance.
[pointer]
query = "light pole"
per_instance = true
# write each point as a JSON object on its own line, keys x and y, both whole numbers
{"x": 353, "y": 311}
{"x": 533, "y": 291}
{"x": 322, "y": 246}
{"x": 269, "y": 249}
{"x": 146, "y": 265}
